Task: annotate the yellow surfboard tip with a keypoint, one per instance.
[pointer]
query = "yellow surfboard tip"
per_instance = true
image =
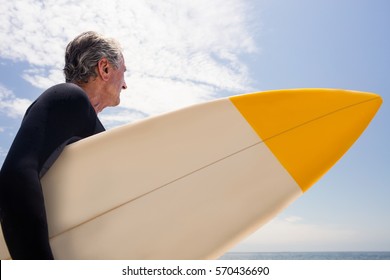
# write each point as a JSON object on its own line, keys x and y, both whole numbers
{"x": 308, "y": 130}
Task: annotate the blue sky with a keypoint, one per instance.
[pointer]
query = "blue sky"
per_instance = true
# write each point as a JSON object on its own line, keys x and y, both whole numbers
{"x": 184, "y": 52}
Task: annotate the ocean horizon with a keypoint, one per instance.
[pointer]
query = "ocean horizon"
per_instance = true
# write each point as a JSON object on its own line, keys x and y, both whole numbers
{"x": 354, "y": 255}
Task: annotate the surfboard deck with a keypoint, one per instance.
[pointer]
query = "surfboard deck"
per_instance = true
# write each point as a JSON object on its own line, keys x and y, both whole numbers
{"x": 190, "y": 184}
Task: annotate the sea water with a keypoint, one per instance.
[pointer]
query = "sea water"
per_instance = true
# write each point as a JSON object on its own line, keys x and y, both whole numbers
{"x": 307, "y": 256}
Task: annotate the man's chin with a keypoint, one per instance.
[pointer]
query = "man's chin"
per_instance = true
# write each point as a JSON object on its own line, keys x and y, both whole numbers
{"x": 116, "y": 103}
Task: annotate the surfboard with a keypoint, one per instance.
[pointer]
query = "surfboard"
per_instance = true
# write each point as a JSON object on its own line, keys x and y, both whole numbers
{"x": 190, "y": 184}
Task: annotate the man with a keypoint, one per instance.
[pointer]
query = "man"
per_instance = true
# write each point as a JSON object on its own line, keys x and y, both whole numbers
{"x": 94, "y": 71}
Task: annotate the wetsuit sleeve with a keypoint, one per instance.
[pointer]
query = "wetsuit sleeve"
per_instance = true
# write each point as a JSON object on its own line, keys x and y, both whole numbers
{"x": 56, "y": 118}
{"x": 68, "y": 121}
{"x": 48, "y": 126}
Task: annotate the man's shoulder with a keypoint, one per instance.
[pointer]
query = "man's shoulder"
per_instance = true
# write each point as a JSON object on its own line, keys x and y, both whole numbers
{"x": 66, "y": 89}
{"x": 65, "y": 92}
{"x": 61, "y": 97}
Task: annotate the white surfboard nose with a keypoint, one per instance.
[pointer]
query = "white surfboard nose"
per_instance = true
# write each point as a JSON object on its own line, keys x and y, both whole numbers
{"x": 314, "y": 127}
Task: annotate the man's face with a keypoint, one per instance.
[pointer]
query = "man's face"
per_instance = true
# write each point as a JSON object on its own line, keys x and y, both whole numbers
{"x": 116, "y": 83}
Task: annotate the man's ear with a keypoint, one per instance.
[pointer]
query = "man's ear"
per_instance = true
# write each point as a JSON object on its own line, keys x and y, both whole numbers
{"x": 103, "y": 69}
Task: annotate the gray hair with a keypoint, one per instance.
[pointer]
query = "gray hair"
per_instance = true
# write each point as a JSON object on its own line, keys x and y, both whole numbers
{"x": 84, "y": 52}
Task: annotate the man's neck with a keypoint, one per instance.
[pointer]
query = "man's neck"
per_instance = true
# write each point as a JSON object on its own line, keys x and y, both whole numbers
{"x": 92, "y": 90}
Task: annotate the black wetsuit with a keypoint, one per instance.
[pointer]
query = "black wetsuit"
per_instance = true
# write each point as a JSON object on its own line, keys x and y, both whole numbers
{"x": 61, "y": 115}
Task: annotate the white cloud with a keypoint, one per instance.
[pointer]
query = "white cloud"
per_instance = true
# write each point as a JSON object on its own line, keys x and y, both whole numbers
{"x": 293, "y": 219}
{"x": 43, "y": 77}
{"x": 11, "y": 105}
{"x": 178, "y": 52}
